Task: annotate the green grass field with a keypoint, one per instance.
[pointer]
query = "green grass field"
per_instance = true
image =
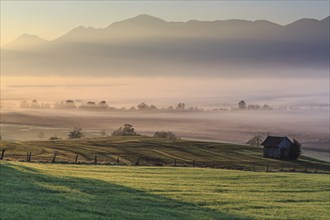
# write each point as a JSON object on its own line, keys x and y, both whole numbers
{"x": 66, "y": 191}
{"x": 155, "y": 152}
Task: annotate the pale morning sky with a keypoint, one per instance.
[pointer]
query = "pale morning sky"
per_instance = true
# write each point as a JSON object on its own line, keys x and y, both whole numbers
{"x": 51, "y": 19}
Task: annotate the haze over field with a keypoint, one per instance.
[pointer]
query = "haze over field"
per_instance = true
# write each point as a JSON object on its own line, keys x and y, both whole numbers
{"x": 202, "y": 62}
{"x": 310, "y": 127}
{"x": 164, "y": 109}
{"x": 211, "y": 63}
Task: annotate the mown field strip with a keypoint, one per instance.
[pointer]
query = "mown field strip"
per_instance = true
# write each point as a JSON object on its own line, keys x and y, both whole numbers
{"x": 169, "y": 155}
{"x": 142, "y": 150}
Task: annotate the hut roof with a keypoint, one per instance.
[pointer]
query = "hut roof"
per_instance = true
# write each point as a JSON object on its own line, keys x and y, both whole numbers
{"x": 273, "y": 141}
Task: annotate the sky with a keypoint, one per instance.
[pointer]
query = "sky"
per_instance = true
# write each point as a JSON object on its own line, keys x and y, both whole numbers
{"x": 51, "y": 19}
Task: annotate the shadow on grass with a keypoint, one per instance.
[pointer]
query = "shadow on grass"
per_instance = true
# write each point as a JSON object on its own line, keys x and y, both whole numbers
{"x": 28, "y": 194}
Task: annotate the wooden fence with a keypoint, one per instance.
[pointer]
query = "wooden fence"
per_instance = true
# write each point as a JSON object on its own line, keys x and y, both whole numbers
{"x": 139, "y": 161}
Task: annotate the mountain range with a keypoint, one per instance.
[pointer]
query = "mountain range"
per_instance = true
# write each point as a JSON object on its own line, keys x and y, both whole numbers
{"x": 149, "y": 46}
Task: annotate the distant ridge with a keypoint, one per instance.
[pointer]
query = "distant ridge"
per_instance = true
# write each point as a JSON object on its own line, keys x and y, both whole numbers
{"x": 148, "y": 20}
{"x": 147, "y": 45}
{"x": 27, "y": 40}
{"x": 142, "y": 19}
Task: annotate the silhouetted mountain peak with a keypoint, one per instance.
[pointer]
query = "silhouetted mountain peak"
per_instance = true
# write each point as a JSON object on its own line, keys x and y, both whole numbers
{"x": 30, "y": 37}
{"x": 304, "y": 22}
{"x": 26, "y": 40}
{"x": 265, "y": 22}
{"x": 78, "y": 32}
{"x": 144, "y": 18}
{"x": 177, "y": 47}
{"x": 141, "y": 20}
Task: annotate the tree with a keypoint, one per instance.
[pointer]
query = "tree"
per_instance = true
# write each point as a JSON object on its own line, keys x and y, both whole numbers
{"x": 35, "y": 104}
{"x": 41, "y": 135}
{"x": 103, "y": 133}
{"x": 152, "y": 107}
{"x": 295, "y": 150}
{"x": 143, "y": 106}
{"x": 127, "y": 130}
{"x": 255, "y": 141}
{"x": 242, "y": 105}
{"x": 266, "y": 107}
{"x": 181, "y": 106}
{"x": 76, "y": 133}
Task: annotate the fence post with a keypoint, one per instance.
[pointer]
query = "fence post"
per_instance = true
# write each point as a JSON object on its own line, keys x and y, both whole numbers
{"x": 137, "y": 163}
{"x": 54, "y": 158}
{"x": 2, "y": 154}
{"x": 193, "y": 163}
{"x": 76, "y": 160}
{"x": 305, "y": 170}
{"x": 95, "y": 160}
{"x": 118, "y": 160}
{"x": 267, "y": 169}
{"x": 175, "y": 162}
{"x": 30, "y": 155}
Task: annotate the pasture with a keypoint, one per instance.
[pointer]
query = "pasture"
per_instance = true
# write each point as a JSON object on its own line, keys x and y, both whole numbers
{"x": 66, "y": 191}
{"x": 147, "y": 151}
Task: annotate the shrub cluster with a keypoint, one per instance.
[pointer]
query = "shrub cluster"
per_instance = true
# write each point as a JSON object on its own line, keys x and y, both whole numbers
{"x": 76, "y": 133}
{"x": 165, "y": 134}
{"x": 54, "y": 138}
{"x": 295, "y": 150}
{"x": 127, "y": 130}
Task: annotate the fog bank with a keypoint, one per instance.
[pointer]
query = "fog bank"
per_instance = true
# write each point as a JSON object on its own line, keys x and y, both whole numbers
{"x": 166, "y": 91}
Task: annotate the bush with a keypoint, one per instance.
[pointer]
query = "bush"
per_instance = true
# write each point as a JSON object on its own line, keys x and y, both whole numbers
{"x": 127, "y": 130}
{"x": 54, "y": 138}
{"x": 165, "y": 134}
{"x": 76, "y": 133}
{"x": 295, "y": 150}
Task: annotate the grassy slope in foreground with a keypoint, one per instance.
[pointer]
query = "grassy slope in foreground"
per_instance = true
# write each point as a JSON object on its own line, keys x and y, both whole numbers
{"x": 57, "y": 191}
{"x": 153, "y": 151}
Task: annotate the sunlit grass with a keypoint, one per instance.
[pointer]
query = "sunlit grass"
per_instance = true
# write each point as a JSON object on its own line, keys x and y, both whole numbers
{"x": 54, "y": 191}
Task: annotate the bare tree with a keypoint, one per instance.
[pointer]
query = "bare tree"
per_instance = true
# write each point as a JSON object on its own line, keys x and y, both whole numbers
{"x": 103, "y": 133}
{"x": 255, "y": 141}
{"x": 41, "y": 135}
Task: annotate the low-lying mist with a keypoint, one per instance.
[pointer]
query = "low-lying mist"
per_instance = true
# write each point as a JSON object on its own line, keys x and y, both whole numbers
{"x": 165, "y": 91}
{"x": 306, "y": 118}
{"x": 311, "y": 127}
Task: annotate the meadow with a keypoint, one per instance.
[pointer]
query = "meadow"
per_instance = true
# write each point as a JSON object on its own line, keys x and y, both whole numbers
{"x": 63, "y": 191}
{"x": 310, "y": 127}
{"x": 148, "y": 151}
